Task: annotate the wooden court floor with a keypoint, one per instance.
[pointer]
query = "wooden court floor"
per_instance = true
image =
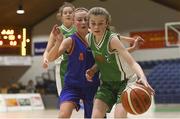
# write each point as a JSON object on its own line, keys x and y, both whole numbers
{"x": 163, "y": 111}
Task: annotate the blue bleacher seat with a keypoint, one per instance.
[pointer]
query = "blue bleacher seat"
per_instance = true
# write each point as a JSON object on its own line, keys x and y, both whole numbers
{"x": 165, "y": 79}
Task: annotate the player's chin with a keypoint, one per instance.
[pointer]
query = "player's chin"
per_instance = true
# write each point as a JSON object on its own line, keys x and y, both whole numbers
{"x": 84, "y": 27}
{"x": 98, "y": 33}
{"x": 68, "y": 19}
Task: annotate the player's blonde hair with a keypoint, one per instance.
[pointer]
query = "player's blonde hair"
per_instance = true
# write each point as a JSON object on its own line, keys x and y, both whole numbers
{"x": 100, "y": 11}
{"x": 80, "y": 9}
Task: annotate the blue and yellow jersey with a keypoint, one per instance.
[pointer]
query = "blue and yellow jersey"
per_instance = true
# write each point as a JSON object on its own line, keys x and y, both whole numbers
{"x": 80, "y": 59}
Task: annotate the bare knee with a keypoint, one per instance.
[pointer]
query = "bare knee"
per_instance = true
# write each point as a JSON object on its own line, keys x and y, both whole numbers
{"x": 99, "y": 109}
{"x": 66, "y": 109}
{"x": 98, "y": 113}
{"x": 63, "y": 114}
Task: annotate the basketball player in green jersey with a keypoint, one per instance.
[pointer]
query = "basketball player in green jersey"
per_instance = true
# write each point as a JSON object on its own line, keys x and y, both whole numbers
{"x": 65, "y": 14}
{"x": 107, "y": 48}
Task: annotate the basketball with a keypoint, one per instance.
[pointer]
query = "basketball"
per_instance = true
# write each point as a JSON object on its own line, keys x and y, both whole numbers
{"x": 136, "y": 99}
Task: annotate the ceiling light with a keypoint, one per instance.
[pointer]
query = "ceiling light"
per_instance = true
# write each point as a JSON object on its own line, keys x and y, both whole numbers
{"x": 20, "y": 10}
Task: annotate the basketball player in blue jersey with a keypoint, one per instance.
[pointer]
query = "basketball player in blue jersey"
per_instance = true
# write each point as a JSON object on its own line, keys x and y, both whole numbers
{"x": 80, "y": 59}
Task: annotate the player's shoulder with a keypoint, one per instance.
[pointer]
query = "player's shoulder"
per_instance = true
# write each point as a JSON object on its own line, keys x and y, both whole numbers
{"x": 114, "y": 35}
{"x": 68, "y": 39}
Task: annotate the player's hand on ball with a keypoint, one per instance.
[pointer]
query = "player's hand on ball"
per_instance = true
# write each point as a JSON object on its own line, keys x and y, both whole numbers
{"x": 145, "y": 83}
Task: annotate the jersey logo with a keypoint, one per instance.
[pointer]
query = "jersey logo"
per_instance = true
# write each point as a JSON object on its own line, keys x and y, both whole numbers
{"x": 99, "y": 58}
{"x": 81, "y": 56}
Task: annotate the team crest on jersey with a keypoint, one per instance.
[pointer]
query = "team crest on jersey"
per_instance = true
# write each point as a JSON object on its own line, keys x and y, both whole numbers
{"x": 99, "y": 58}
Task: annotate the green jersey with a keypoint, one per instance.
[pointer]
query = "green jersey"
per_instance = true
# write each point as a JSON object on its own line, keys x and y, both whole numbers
{"x": 108, "y": 62}
{"x": 67, "y": 32}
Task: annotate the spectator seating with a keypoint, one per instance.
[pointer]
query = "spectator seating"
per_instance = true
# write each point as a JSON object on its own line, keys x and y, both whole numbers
{"x": 165, "y": 79}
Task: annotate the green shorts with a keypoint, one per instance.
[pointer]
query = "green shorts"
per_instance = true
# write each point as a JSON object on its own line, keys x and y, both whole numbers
{"x": 109, "y": 92}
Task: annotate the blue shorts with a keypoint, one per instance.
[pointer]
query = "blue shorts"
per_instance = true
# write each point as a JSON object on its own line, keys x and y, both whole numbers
{"x": 74, "y": 94}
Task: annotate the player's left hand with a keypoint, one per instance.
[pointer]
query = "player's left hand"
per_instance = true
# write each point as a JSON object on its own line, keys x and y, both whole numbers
{"x": 139, "y": 39}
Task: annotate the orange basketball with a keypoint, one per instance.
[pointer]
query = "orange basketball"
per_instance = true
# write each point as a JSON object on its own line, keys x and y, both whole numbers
{"x": 136, "y": 99}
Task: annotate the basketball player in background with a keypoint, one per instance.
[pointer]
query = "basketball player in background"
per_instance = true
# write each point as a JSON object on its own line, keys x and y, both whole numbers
{"x": 65, "y": 15}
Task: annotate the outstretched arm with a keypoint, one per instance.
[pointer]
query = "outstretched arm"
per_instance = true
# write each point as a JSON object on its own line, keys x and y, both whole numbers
{"x": 136, "y": 44}
{"x": 127, "y": 39}
{"x": 131, "y": 39}
{"x": 50, "y": 44}
{"x": 135, "y": 41}
{"x": 58, "y": 36}
{"x": 57, "y": 50}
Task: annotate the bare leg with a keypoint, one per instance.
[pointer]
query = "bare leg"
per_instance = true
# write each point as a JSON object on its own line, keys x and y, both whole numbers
{"x": 99, "y": 109}
{"x": 66, "y": 109}
{"x": 120, "y": 112}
